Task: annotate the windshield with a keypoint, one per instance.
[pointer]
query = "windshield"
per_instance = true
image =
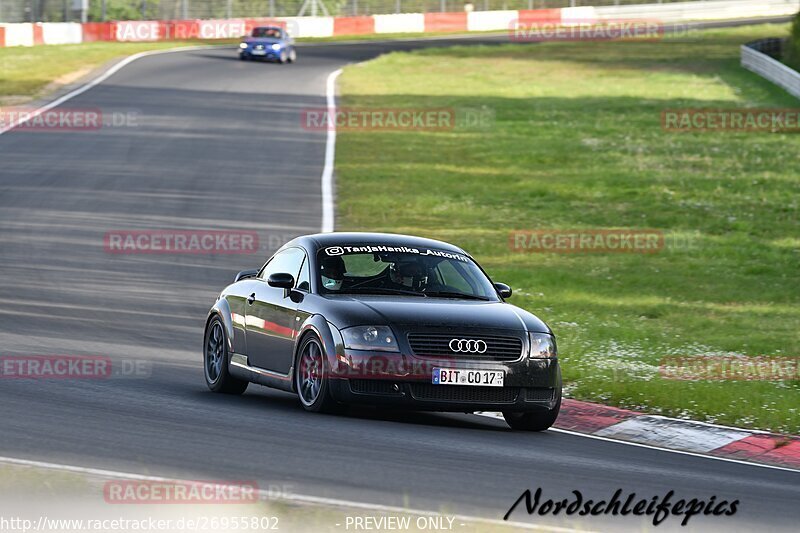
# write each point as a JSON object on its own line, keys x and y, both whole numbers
{"x": 275, "y": 33}
{"x": 420, "y": 272}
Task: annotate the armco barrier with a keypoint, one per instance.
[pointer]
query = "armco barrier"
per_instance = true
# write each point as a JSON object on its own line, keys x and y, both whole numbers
{"x": 400, "y": 23}
{"x": 38, "y": 34}
{"x": 771, "y": 69}
{"x": 709, "y": 10}
{"x": 62, "y": 33}
{"x": 26, "y": 34}
{"x": 309, "y": 26}
{"x": 446, "y": 21}
{"x": 19, "y": 34}
{"x": 491, "y": 20}
{"x": 353, "y": 25}
{"x": 98, "y": 31}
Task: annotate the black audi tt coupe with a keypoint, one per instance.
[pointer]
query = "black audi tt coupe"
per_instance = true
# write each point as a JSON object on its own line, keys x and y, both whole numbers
{"x": 386, "y": 320}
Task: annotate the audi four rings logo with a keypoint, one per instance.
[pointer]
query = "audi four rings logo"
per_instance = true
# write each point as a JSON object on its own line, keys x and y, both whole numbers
{"x": 468, "y": 346}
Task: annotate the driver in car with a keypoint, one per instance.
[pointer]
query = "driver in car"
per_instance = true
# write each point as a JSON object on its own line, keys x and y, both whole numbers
{"x": 407, "y": 275}
{"x": 332, "y": 270}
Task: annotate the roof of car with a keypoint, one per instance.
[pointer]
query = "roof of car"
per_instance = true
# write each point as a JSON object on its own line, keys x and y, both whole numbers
{"x": 321, "y": 240}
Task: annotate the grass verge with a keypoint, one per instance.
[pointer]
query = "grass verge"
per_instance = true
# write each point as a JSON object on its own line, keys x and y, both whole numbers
{"x": 575, "y": 142}
{"x": 30, "y": 72}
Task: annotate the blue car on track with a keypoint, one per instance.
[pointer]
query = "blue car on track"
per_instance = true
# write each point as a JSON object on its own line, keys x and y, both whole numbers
{"x": 270, "y": 43}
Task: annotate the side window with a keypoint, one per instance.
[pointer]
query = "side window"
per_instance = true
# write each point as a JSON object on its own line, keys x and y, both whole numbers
{"x": 288, "y": 260}
{"x": 304, "y": 279}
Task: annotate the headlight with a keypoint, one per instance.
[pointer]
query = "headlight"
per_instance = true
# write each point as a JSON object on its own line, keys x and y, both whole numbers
{"x": 379, "y": 338}
{"x": 543, "y": 346}
{"x": 242, "y": 45}
{"x": 276, "y": 46}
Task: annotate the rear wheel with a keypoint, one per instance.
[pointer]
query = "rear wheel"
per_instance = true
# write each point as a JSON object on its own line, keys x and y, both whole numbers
{"x": 215, "y": 361}
{"x": 537, "y": 421}
{"x": 311, "y": 378}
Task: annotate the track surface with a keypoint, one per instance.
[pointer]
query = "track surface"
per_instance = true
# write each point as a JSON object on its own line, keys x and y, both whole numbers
{"x": 219, "y": 145}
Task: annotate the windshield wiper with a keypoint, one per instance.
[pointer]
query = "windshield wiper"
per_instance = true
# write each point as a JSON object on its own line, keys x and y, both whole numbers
{"x": 380, "y": 290}
{"x": 452, "y": 294}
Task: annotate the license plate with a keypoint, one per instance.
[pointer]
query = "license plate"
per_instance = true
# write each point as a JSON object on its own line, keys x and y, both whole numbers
{"x": 460, "y": 376}
{"x": 259, "y": 52}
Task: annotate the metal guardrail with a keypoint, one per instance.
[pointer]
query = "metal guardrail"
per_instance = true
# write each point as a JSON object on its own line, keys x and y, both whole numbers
{"x": 755, "y": 57}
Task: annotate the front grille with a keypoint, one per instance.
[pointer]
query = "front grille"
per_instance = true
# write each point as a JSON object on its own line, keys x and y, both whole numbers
{"x": 438, "y": 344}
{"x": 458, "y": 393}
{"x": 539, "y": 394}
{"x": 372, "y": 386}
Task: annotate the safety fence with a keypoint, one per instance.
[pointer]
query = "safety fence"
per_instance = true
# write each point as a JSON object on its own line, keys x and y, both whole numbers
{"x": 30, "y": 34}
{"x": 761, "y": 57}
{"x": 103, "y": 10}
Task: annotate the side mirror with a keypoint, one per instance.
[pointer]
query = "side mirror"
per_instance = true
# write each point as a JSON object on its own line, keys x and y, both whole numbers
{"x": 503, "y": 290}
{"x": 281, "y": 280}
{"x": 244, "y": 274}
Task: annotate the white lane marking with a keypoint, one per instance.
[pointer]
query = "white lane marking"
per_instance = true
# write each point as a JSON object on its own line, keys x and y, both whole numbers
{"x": 98, "y": 80}
{"x": 681, "y": 434}
{"x": 330, "y": 154}
{"x": 272, "y": 496}
{"x": 499, "y": 416}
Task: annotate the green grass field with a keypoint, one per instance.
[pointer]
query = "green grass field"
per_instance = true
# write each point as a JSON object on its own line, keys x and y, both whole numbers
{"x": 31, "y": 72}
{"x": 576, "y": 143}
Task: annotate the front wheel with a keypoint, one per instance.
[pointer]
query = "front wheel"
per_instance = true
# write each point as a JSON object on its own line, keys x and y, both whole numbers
{"x": 292, "y": 56}
{"x": 536, "y": 421}
{"x": 215, "y": 361}
{"x": 283, "y": 57}
{"x": 311, "y": 379}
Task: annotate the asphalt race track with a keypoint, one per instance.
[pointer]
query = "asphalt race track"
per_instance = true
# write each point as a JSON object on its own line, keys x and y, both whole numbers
{"x": 218, "y": 144}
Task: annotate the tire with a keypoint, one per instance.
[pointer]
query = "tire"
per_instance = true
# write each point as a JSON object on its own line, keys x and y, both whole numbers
{"x": 216, "y": 358}
{"x": 243, "y": 57}
{"x": 537, "y": 421}
{"x": 292, "y": 56}
{"x": 283, "y": 58}
{"x": 310, "y": 378}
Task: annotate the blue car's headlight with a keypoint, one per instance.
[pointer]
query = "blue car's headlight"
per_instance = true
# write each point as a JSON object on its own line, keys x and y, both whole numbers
{"x": 378, "y": 338}
{"x": 242, "y": 45}
{"x": 276, "y": 46}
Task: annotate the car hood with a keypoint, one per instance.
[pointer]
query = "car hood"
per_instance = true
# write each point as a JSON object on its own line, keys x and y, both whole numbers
{"x": 431, "y": 312}
{"x": 262, "y": 40}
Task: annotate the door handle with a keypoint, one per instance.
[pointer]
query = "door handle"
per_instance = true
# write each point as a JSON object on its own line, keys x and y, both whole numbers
{"x": 251, "y": 299}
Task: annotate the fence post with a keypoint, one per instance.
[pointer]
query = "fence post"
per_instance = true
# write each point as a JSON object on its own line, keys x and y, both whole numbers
{"x": 271, "y": 8}
{"x": 228, "y": 9}
{"x": 144, "y": 9}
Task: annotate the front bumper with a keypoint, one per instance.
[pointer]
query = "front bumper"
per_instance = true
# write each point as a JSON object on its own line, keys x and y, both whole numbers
{"x": 402, "y": 380}
{"x": 269, "y": 54}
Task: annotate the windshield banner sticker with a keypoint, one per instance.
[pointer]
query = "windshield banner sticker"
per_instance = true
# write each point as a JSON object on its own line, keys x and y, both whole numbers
{"x": 368, "y": 249}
